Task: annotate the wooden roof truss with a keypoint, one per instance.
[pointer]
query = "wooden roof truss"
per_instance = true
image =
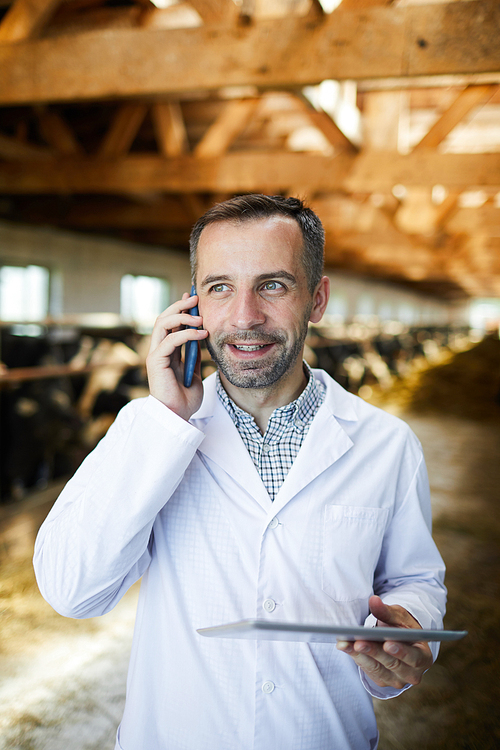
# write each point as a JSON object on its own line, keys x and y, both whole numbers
{"x": 126, "y": 118}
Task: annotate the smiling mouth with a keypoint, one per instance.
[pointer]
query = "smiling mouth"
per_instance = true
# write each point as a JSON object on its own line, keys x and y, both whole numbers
{"x": 249, "y": 347}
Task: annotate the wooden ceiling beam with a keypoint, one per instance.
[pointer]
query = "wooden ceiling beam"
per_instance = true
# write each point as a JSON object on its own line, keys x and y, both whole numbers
{"x": 14, "y": 149}
{"x": 56, "y": 132}
{"x": 229, "y": 124}
{"x": 358, "y": 4}
{"x": 467, "y": 100}
{"x": 232, "y": 173}
{"x": 215, "y": 11}
{"x": 170, "y": 129}
{"x": 123, "y": 130}
{"x": 241, "y": 172}
{"x": 25, "y": 18}
{"x": 380, "y": 171}
{"x": 326, "y": 125}
{"x": 456, "y": 38}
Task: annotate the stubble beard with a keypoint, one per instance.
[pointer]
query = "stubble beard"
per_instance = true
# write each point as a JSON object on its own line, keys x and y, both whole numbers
{"x": 254, "y": 373}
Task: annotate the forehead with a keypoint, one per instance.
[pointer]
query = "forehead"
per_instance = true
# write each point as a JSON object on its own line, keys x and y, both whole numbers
{"x": 242, "y": 244}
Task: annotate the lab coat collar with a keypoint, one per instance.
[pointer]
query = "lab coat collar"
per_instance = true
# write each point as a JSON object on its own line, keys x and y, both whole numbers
{"x": 324, "y": 444}
{"x": 223, "y": 444}
{"x": 340, "y": 402}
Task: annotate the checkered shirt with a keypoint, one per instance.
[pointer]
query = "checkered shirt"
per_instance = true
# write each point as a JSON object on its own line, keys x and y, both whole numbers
{"x": 274, "y": 452}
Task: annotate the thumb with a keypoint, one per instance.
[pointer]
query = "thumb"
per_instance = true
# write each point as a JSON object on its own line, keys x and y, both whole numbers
{"x": 383, "y": 612}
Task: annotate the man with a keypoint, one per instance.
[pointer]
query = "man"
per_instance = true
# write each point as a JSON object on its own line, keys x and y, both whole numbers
{"x": 266, "y": 492}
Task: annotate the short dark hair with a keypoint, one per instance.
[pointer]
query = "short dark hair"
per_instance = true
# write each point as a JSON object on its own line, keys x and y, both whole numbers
{"x": 252, "y": 207}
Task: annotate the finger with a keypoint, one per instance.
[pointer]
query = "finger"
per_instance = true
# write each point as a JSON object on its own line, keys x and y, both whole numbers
{"x": 374, "y": 669}
{"x": 392, "y": 654}
{"x": 173, "y": 322}
{"x": 175, "y": 340}
{"x": 391, "y": 615}
{"x": 417, "y": 655}
{"x": 384, "y": 612}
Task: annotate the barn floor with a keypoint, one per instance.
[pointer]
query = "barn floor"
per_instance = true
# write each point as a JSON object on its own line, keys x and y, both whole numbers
{"x": 62, "y": 682}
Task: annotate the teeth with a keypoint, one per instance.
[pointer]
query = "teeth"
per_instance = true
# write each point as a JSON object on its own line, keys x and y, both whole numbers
{"x": 249, "y": 348}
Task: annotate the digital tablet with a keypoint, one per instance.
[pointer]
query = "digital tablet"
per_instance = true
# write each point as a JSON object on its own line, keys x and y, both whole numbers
{"x": 287, "y": 631}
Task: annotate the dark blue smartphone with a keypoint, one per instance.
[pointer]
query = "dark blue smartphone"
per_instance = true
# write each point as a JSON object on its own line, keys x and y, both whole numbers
{"x": 190, "y": 350}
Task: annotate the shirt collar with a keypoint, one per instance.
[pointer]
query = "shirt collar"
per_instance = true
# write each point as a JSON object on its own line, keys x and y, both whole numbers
{"x": 301, "y": 411}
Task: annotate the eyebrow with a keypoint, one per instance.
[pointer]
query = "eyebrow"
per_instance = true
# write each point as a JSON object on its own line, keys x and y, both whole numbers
{"x": 279, "y": 274}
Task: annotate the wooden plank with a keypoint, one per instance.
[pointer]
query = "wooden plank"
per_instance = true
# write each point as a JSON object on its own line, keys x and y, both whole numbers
{"x": 358, "y": 4}
{"x": 455, "y": 38}
{"x": 316, "y": 10}
{"x": 229, "y": 124}
{"x": 380, "y": 171}
{"x": 323, "y": 122}
{"x": 382, "y": 117}
{"x": 25, "y": 18}
{"x": 238, "y": 172}
{"x": 123, "y": 129}
{"x": 368, "y": 172}
{"x": 470, "y": 97}
{"x": 170, "y": 129}
{"x": 57, "y": 133}
{"x": 13, "y": 149}
{"x": 215, "y": 11}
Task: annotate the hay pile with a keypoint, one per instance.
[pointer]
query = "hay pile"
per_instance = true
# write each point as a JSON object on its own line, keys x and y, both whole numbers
{"x": 464, "y": 384}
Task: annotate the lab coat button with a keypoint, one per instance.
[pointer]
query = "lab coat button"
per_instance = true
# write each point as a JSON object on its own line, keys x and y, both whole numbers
{"x": 269, "y": 605}
{"x": 273, "y": 523}
{"x": 268, "y": 687}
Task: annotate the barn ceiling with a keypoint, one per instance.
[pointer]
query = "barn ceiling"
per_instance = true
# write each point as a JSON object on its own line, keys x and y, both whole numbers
{"x": 128, "y": 119}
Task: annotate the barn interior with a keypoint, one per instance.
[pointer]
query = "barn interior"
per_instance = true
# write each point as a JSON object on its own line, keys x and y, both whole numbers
{"x": 122, "y": 122}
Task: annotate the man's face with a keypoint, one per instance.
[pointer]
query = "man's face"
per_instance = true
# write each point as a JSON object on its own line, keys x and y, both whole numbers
{"x": 254, "y": 299}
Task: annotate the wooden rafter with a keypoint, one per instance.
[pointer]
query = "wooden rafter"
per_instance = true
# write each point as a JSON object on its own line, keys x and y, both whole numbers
{"x": 170, "y": 129}
{"x": 415, "y": 40}
{"x": 380, "y": 171}
{"x": 215, "y": 11}
{"x": 57, "y": 133}
{"x": 259, "y": 171}
{"x": 25, "y": 18}
{"x": 358, "y": 4}
{"x": 324, "y": 123}
{"x": 470, "y": 97}
{"x": 123, "y": 129}
{"x": 230, "y": 123}
{"x": 232, "y": 173}
{"x": 14, "y": 149}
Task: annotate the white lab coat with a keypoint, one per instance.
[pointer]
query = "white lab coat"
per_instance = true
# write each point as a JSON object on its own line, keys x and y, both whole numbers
{"x": 183, "y": 506}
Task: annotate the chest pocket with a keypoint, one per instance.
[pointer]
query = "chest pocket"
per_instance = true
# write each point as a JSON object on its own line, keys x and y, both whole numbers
{"x": 351, "y": 548}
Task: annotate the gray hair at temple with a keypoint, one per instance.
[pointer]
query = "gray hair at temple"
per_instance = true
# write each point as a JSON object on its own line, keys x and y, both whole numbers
{"x": 252, "y": 207}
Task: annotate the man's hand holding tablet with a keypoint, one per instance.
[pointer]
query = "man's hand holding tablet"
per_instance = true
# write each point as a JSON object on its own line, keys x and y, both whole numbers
{"x": 390, "y": 663}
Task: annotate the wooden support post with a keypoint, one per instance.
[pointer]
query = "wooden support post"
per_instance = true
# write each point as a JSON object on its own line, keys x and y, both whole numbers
{"x": 170, "y": 129}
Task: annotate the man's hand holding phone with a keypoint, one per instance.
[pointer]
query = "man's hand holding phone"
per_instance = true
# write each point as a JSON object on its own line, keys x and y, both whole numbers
{"x": 172, "y": 329}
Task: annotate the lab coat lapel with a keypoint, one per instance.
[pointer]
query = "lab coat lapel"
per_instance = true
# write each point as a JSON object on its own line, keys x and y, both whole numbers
{"x": 325, "y": 443}
{"x": 223, "y": 445}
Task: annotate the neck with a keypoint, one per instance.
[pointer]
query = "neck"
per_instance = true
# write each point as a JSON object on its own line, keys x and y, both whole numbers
{"x": 261, "y": 402}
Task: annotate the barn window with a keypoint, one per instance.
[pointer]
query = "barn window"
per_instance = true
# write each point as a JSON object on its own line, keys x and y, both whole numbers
{"x": 142, "y": 299}
{"x": 24, "y": 293}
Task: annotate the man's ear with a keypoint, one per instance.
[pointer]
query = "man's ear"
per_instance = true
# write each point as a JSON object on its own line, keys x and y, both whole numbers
{"x": 320, "y": 299}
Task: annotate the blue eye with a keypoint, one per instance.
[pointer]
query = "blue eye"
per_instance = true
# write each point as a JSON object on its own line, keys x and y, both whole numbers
{"x": 219, "y": 288}
{"x": 272, "y": 286}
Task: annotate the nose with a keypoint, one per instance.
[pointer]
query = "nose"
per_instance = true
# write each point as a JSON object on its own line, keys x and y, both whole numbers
{"x": 246, "y": 310}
